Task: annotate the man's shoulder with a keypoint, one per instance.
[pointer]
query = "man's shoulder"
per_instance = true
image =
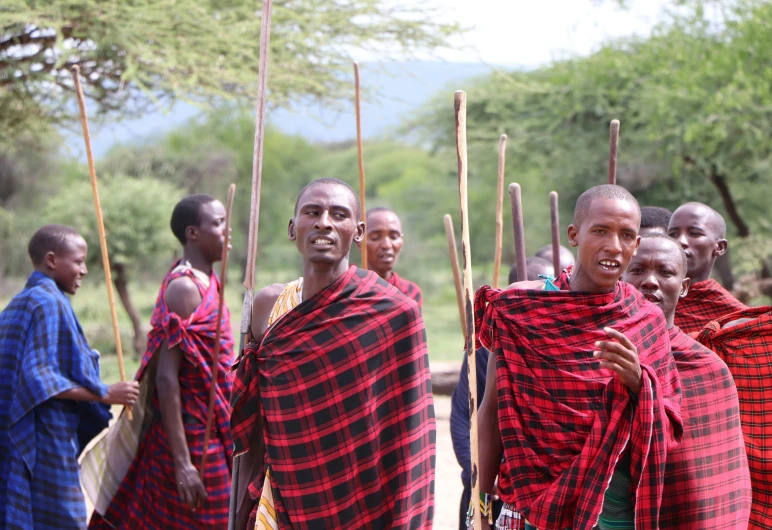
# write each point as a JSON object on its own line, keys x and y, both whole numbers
{"x": 182, "y": 295}
{"x": 267, "y": 296}
{"x": 532, "y": 285}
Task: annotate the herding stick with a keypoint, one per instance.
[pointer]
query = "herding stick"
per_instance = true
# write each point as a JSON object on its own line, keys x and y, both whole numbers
{"x": 555, "y": 222}
{"x": 613, "y": 150}
{"x": 100, "y": 224}
{"x": 499, "y": 208}
{"x": 216, "y": 356}
{"x": 361, "y": 158}
{"x": 254, "y": 216}
{"x": 450, "y": 235}
{"x": 466, "y": 256}
{"x": 517, "y": 225}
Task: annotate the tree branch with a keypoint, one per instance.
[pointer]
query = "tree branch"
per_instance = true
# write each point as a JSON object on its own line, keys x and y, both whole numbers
{"x": 729, "y": 204}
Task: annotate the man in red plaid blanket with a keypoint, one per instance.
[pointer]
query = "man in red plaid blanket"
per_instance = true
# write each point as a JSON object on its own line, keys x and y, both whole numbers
{"x": 384, "y": 241}
{"x": 332, "y": 406}
{"x": 701, "y": 231}
{"x": 582, "y": 402}
{"x": 707, "y": 483}
{"x": 162, "y": 487}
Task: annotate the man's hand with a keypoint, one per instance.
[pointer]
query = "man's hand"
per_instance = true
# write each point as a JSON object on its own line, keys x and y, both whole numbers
{"x": 189, "y": 486}
{"x": 123, "y": 393}
{"x": 621, "y": 356}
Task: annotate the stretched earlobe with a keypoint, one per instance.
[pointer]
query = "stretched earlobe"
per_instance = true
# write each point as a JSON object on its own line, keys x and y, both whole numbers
{"x": 291, "y": 230}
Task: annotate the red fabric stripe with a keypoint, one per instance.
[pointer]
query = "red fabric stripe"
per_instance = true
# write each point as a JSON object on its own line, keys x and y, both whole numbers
{"x": 706, "y": 301}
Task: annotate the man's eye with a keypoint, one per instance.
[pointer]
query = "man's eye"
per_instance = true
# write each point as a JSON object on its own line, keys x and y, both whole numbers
{"x": 635, "y": 271}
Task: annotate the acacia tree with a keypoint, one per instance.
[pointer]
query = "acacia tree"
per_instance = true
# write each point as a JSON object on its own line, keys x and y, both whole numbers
{"x": 134, "y": 55}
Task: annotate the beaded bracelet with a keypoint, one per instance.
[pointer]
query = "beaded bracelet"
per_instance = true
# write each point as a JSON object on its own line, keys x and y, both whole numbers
{"x": 486, "y": 508}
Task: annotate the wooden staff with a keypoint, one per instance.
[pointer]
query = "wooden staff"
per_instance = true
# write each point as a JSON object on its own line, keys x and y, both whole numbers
{"x": 361, "y": 158}
{"x": 466, "y": 256}
{"x": 555, "y": 221}
{"x": 450, "y": 235}
{"x": 216, "y": 356}
{"x": 517, "y": 225}
{"x": 499, "y": 208}
{"x": 254, "y": 216}
{"x": 100, "y": 224}
{"x": 613, "y": 150}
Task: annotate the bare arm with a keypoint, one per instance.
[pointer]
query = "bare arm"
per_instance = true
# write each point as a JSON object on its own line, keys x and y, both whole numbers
{"x": 490, "y": 448}
{"x": 182, "y": 298}
{"x": 124, "y": 393}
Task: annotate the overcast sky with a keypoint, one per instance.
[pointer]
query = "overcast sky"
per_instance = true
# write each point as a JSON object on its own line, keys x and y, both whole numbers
{"x": 532, "y": 32}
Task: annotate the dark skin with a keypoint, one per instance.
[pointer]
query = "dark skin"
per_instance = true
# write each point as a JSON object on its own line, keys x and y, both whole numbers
{"x": 203, "y": 247}
{"x": 68, "y": 268}
{"x": 607, "y": 240}
{"x": 700, "y": 231}
{"x": 658, "y": 273}
{"x": 384, "y": 242}
{"x": 325, "y": 226}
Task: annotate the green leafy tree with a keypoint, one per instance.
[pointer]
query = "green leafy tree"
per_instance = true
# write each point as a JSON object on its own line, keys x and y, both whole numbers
{"x": 136, "y": 216}
{"x": 134, "y": 55}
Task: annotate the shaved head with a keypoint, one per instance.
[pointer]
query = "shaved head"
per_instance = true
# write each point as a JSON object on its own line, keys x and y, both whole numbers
{"x": 330, "y": 181}
{"x": 662, "y": 239}
{"x": 535, "y": 267}
{"x": 701, "y": 232}
{"x": 566, "y": 256}
{"x": 604, "y": 191}
{"x": 714, "y": 220}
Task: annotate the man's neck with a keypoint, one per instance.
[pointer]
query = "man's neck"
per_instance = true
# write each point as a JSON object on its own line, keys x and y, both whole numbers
{"x": 579, "y": 281}
{"x": 317, "y": 276}
{"x": 386, "y": 275}
{"x": 196, "y": 260}
{"x": 700, "y": 276}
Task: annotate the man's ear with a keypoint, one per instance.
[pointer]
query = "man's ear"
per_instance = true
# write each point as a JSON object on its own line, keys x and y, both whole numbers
{"x": 50, "y": 260}
{"x": 720, "y": 248}
{"x": 191, "y": 233}
{"x": 637, "y": 245}
{"x": 573, "y": 232}
{"x": 685, "y": 284}
{"x": 360, "y": 235}
{"x": 291, "y": 230}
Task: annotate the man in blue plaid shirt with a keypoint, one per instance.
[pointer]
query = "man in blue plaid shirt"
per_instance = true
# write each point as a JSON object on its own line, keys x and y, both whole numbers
{"x": 46, "y": 369}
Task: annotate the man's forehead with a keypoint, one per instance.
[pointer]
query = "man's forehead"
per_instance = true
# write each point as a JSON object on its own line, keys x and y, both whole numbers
{"x": 383, "y": 220}
{"x": 602, "y": 210}
{"x": 328, "y": 194}
{"x": 659, "y": 249}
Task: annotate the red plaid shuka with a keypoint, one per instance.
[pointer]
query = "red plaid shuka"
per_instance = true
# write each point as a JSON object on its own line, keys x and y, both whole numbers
{"x": 706, "y": 301}
{"x": 707, "y": 483}
{"x": 407, "y": 288}
{"x": 148, "y": 496}
{"x": 564, "y": 421}
{"x": 346, "y": 406}
{"x": 747, "y": 350}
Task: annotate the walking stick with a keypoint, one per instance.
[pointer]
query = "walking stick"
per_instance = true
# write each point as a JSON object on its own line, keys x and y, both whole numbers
{"x": 555, "y": 222}
{"x": 613, "y": 150}
{"x": 361, "y": 159}
{"x": 254, "y": 217}
{"x": 100, "y": 224}
{"x": 450, "y": 235}
{"x": 499, "y": 208}
{"x": 466, "y": 256}
{"x": 517, "y": 225}
{"x": 216, "y": 356}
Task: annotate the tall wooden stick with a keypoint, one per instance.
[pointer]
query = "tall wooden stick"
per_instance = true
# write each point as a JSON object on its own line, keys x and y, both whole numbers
{"x": 466, "y": 256}
{"x": 254, "y": 217}
{"x": 499, "y": 210}
{"x": 360, "y": 157}
{"x": 100, "y": 224}
{"x": 517, "y": 225}
{"x": 555, "y": 222}
{"x": 613, "y": 150}
{"x": 216, "y": 356}
{"x": 450, "y": 235}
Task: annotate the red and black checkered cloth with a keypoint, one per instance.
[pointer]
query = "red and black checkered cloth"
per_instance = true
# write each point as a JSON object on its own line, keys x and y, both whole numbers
{"x": 706, "y": 301}
{"x": 147, "y": 497}
{"x": 346, "y": 405}
{"x": 707, "y": 483}
{"x": 564, "y": 421}
{"x": 408, "y": 288}
{"x": 747, "y": 351}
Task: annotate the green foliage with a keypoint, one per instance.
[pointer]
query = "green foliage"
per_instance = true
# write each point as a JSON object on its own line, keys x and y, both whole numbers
{"x": 139, "y": 54}
{"x": 136, "y": 215}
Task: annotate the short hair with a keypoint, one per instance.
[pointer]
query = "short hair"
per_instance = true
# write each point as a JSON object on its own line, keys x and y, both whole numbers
{"x": 604, "y": 191}
{"x": 379, "y": 209}
{"x": 187, "y": 213}
{"x": 715, "y": 218}
{"x": 50, "y": 238}
{"x": 331, "y": 180}
{"x": 534, "y": 266}
{"x": 655, "y": 217}
{"x": 545, "y": 252}
{"x": 681, "y": 253}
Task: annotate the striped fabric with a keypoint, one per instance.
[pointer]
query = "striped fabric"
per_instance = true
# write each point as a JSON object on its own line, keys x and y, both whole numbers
{"x": 43, "y": 352}
{"x": 706, "y": 301}
{"x": 406, "y": 287}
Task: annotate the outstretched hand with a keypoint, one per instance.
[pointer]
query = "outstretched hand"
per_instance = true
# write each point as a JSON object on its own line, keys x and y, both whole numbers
{"x": 123, "y": 393}
{"x": 620, "y": 356}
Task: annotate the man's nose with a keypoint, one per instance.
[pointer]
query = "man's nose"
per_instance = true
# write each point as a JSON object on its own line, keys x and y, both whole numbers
{"x": 324, "y": 220}
{"x": 650, "y": 282}
{"x": 682, "y": 240}
{"x": 614, "y": 243}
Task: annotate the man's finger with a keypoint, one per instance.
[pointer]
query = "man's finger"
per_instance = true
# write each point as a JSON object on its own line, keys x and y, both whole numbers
{"x": 611, "y": 357}
{"x": 617, "y": 348}
{"x": 621, "y": 337}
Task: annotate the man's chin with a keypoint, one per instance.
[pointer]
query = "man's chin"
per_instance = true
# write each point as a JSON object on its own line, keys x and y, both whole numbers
{"x": 327, "y": 260}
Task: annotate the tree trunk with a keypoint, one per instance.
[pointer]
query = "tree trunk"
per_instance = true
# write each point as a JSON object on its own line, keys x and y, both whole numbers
{"x": 731, "y": 208}
{"x": 723, "y": 267}
{"x": 121, "y": 285}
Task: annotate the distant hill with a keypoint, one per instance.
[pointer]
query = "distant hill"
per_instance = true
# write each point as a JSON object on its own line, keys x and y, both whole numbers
{"x": 399, "y": 88}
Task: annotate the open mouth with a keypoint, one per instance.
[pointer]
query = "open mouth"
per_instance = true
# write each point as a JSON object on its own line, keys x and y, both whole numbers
{"x": 322, "y": 243}
{"x": 654, "y": 299}
{"x": 609, "y": 265}
{"x": 388, "y": 258}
